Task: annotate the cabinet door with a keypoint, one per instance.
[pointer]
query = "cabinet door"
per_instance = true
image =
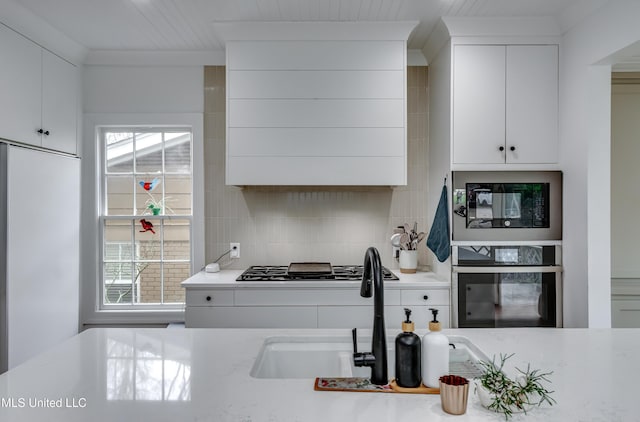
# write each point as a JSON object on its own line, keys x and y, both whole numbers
{"x": 59, "y": 92}
{"x": 478, "y": 104}
{"x": 532, "y": 104}
{"x": 20, "y": 88}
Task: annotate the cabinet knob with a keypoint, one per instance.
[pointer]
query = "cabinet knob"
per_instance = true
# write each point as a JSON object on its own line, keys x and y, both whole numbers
{"x": 209, "y": 298}
{"x": 46, "y": 132}
{"x": 425, "y": 297}
{"x": 512, "y": 148}
{"x": 501, "y": 148}
{"x": 40, "y": 131}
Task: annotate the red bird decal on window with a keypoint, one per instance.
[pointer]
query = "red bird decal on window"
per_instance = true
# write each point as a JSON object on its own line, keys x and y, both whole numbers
{"x": 149, "y": 186}
{"x": 147, "y": 226}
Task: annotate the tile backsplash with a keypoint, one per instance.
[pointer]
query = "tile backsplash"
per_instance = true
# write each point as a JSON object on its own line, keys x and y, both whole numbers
{"x": 277, "y": 225}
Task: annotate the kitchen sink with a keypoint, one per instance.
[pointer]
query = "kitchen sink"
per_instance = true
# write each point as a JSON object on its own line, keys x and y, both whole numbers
{"x": 331, "y": 356}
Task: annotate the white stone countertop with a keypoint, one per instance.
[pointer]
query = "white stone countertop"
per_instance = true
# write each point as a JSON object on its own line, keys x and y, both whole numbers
{"x": 227, "y": 279}
{"x": 203, "y": 375}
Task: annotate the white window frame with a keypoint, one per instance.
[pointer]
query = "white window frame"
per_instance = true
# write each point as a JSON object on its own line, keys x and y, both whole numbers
{"x": 133, "y": 218}
{"x": 92, "y": 309}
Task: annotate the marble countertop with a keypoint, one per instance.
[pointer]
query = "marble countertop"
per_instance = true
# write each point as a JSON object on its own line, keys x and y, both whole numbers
{"x": 227, "y": 279}
{"x": 203, "y": 375}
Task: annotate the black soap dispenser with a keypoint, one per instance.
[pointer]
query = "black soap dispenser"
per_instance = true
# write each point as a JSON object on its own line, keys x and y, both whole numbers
{"x": 408, "y": 359}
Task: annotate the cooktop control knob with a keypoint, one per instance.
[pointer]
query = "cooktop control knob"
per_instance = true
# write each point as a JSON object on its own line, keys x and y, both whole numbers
{"x": 507, "y": 223}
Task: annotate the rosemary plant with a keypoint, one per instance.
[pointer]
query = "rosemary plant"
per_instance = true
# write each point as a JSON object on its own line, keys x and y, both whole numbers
{"x": 509, "y": 395}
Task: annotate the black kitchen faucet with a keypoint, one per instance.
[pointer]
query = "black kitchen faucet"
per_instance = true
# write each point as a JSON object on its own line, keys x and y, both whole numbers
{"x": 377, "y": 358}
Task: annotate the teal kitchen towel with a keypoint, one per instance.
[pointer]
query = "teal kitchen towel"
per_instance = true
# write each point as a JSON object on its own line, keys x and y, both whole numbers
{"x": 438, "y": 240}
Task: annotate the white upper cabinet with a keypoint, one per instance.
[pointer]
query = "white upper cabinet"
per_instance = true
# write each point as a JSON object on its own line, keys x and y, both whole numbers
{"x": 38, "y": 104}
{"x": 21, "y": 88}
{"x": 59, "y": 103}
{"x": 505, "y": 104}
{"x": 316, "y": 112}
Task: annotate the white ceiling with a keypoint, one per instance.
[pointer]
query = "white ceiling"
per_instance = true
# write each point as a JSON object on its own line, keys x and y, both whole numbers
{"x": 190, "y": 24}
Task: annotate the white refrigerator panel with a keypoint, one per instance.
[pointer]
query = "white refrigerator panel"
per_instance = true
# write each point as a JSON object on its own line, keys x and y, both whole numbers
{"x": 42, "y": 266}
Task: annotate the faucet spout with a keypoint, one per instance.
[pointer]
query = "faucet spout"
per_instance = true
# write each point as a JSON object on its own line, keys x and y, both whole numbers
{"x": 377, "y": 358}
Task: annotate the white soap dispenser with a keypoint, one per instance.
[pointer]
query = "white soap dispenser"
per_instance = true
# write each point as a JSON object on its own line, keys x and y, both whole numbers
{"x": 435, "y": 353}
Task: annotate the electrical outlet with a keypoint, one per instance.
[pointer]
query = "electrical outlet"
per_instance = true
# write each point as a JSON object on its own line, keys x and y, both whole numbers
{"x": 235, "y": 250}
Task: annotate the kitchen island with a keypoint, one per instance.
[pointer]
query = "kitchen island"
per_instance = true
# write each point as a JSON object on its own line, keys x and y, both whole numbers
{"x": 114, "y": 374}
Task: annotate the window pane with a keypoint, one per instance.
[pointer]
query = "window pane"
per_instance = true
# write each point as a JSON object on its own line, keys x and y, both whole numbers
{"x": 119, "y": 195}
{"x": 178, "y": 195}
{"x": 118, "y": 286}
{"x": 174, "y": 274}
{"x": 177, "y": 152}
{"x": 149, "y": 196}
{"x": 119, "y": 152}
{"x": 150, "y": 281}
{"x": 148, "y": 152}
{"x": 148, "y": 239}
{"x": 117, "y": 240}
{"x": 177, "y": 240}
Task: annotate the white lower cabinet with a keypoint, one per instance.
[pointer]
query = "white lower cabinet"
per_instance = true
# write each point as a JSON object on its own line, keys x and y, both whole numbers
{"x": 309, "y": 308}
{"x": 625, "y": 312}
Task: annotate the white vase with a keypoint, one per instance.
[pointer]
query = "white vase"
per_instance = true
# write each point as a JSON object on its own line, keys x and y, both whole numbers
{"x": 408, "y": 261}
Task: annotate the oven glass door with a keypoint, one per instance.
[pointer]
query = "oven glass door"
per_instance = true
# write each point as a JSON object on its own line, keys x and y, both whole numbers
{"x": 508, "y": 299}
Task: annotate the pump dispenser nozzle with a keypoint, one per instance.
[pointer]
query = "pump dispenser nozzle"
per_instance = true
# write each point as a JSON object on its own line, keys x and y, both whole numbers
{"x": 407, "y": 325}
{"x": 434, "y": 312}
{"x": 434, "y": 325}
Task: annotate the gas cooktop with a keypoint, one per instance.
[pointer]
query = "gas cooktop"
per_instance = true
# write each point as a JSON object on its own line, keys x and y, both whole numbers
{"x": 316, "y": 272}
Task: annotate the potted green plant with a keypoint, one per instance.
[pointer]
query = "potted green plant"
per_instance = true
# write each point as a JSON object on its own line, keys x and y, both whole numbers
{"x": 501, "y": 394}
{"x": 157, "y": 207}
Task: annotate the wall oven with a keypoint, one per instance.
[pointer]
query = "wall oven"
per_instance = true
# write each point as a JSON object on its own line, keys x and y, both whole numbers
{"x": 506, "y": 205}
{"x": 507, "y": 284}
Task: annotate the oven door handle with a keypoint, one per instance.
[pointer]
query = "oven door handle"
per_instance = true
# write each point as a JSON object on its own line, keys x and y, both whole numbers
{"x": 506, "y": 269}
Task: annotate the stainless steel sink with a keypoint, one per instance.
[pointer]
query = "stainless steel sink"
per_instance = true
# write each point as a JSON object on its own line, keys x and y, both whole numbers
{"x": 331, "y": 356}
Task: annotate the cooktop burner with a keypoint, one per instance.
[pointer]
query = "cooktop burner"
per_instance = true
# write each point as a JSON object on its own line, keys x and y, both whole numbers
{"x": 281, "y": 273}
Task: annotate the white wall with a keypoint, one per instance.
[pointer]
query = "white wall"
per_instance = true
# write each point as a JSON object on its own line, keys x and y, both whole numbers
{"x": 130, "y": 95}
{"x": 585, "y": 95}
{"x": 122, "y": 89}
{"x": 439, "y": 140}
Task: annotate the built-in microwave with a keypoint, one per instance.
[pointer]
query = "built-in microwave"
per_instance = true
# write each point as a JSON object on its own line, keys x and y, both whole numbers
{"x": 506, "y": 205}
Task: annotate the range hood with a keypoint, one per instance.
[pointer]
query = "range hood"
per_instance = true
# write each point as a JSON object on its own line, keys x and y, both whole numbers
{"x": 316, "y": 104}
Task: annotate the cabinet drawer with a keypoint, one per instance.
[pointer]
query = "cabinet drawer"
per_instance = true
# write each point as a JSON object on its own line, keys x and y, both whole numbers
{"x": 307, "y": 297}
{"x": 625, "y": 313}
{"x": 425, "y": 297}
{"x": 209, "y": 297}
{"x": 251, "y": 317}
